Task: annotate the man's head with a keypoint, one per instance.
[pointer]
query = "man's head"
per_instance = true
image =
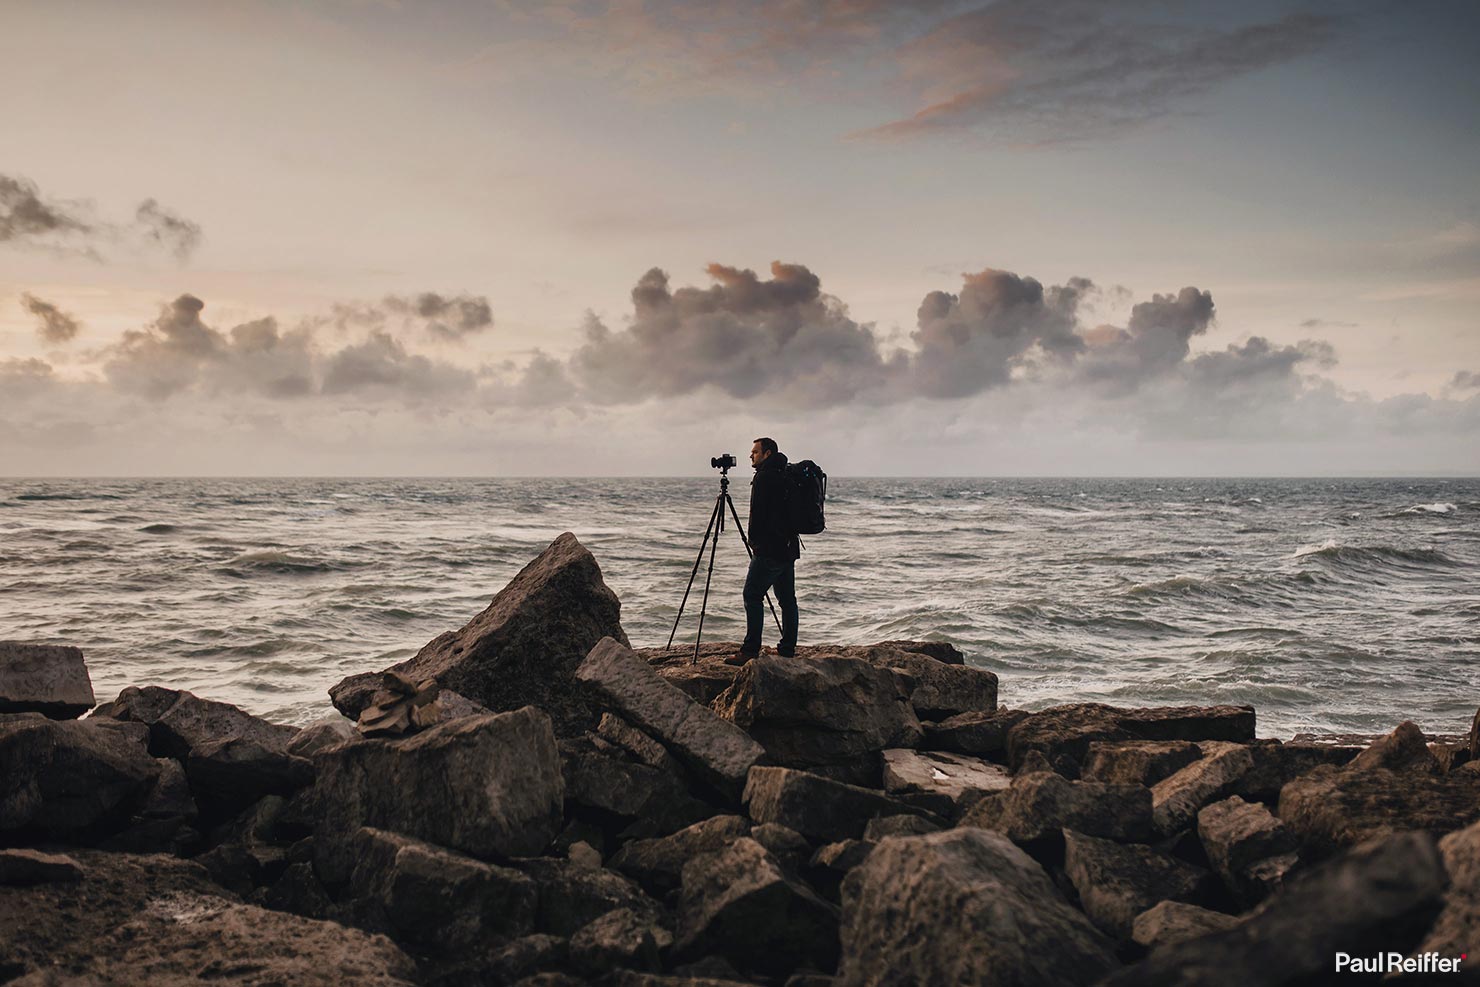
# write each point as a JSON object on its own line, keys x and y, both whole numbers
{"x": 762, "y": 450}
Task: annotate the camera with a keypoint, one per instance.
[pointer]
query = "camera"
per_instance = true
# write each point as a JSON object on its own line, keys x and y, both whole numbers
{"x": 727, "y": 461}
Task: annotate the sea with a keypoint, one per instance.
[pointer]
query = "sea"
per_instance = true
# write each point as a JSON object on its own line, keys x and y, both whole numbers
{"x": 1334, "y": 606}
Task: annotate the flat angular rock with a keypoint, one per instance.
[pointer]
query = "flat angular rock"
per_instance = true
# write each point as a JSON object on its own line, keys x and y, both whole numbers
{"x": 1176, "y": 921}
{"x": 1069, "y": 730}
{"x": 615, "y": 730}
{"x": 954, "y": 782}
{"x": 1175, "y": 800}
{"x": 572, "y": 896}
{"x": 71, "y": 779}
{"x": 19, "y": 868}
{"x": 817, "y": 807}
{"x": 1038, "y": 806}
{"x": 883, "y": 826}
{"x": 179, "y": 721}
{"x": 936, "y": 690}
{"x": 1248, "y": 847}
{"x": 788, "y": 846}
{"x": 657, "y": 864}
{"x": 45, "y": 678}
{"x": 739, "y": 904}
{"x": 716, "y": 750}
{"x": 434, "y": 898}
{"x": 1334, "y": 808}
{"x": 1277, "y": 764}
{"x": 658, "y": 799}
{"x": 1137, "y": 762}
{"x": 1117, "y": 882}
{"x": 524, "y": 648}
{"x": 234, "y": 772}
{"x": 826, "y": 712}
{"x": 489, "y": 786}
{"x": 941, "y": 651}
{"x": 964, "y": 906}
{"x": 159, "y": 920}
{"x": 1375, "y": 899}
{"x": 973, "y": 733}
{"x": 831, "y": 863}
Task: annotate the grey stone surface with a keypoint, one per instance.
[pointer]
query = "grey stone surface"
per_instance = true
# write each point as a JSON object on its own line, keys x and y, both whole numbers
{"x": 1137, "y": 762}
{"x": 1176, "y": 799}
{"x": 70, "y": 779}
{"x": 1170, "y": 922}
{"x": 657, "y": 864}
{"x": 817, "y": 807}
{"x": 954, "y": 780}
{"x": 1117, "y": 882}
{"x": 1248, "y": 847}
{"x": 21, "y": 867}
{"x": 50, "y": 679}
{"x": 1040, "y": 805}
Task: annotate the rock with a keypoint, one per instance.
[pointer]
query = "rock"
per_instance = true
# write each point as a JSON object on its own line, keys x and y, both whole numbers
{"x": 941, "y": 651}
{"x": 433, "y": 898}
{"x": 1137, "y": 762}
{"x": 947, "y": 783}
{"x": 629, "y": 791}
{"x": 525, "y": 957}
{"x": 788, "y": 846}
{"x": 1474, "y": 738}
{"x": 1176, "y": 799}
{"x": 1334, "y": 808}
{"x": 832, "y": 711}
{"x": 1457, "y": 928}
{"x": 657, "y": 864}
{"x": 615, "y": 730}
{"x": 1248, "y": 847}
{"x": 629, "y": 978}
{"x": 583, "y": 854}
{"x": 489, "y": 786}
{"x": 297, "y": 890}
{"x": 1406, "y": 749}
{"x": 703, "y": 682}
{"x": 524, "y": 648}
{"x": 71, "y": 779}
{"x": 228, "y": 774}
{"x": 1039, "y": 806}
{"x": 20, "y": 868}
{"x": 973, "y": 733}
{"x": 1116, "y": 882}
{"x": 329, "y": 731}
{"x": 964, "y": 906}
{"x": 179, "y": 721}
{"x": 1450, "y": 756}
{"x": 571, "y": 896}
{"x": 1277, "y": 764}
{"x": 716, "y": 750}
{"x": 817, "y": 807}
{"x": 1372, "y": 900}
{"x": 1069, "y": 730}
{"x": 831, "y": 863}
{"x": 620, "y": 939}
{"x": 49, "y": 679}
{"x": 882, "y": 826}
{"x": 936, "y": 690}
{"x": 158, "y": 920}
{"x": 739, "y": 904}
{"x": 1176, "y": 921}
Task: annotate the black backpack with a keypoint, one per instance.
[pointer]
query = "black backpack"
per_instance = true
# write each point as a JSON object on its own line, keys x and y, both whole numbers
{"x": 806, "y": 493}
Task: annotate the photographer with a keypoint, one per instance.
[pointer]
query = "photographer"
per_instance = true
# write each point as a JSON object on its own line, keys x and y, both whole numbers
{"x": 776, "y": 551}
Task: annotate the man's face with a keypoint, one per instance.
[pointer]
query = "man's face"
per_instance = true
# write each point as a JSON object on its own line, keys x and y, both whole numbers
{"x": 756, "y": 455}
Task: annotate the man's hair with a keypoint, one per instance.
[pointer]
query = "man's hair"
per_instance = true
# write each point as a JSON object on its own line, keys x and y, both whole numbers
{"x": 767, "y": 444}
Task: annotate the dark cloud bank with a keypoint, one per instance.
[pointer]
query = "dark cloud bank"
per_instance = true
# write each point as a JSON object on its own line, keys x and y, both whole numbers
{"x": 28, "y": 219}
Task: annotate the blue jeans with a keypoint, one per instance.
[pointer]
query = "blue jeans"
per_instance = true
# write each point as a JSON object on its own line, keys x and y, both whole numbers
{"x": 766, "y": 574}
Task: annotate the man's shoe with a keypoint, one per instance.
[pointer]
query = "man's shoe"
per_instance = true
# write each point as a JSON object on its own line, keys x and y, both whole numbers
{"x": 786, "y": 652}
{"x": 741, "y": 657}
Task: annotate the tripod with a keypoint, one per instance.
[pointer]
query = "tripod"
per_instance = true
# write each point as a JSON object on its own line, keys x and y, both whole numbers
{"x": 716, "y": 525}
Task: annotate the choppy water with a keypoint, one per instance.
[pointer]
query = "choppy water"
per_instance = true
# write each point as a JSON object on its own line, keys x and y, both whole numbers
{"x": 1331, "y": 605}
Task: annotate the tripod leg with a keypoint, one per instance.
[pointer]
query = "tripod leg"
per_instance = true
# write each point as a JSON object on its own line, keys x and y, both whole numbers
{"x": 750, "y": 554}
{"x": 716, "y": 513}
{"x": 704, "y": 604}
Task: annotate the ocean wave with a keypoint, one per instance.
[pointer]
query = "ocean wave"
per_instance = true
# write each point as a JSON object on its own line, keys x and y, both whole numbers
{"x": 160, "y": 529}
{"x": 1369, "y": 555}
{"x": 279, "y": 563}
{"x": 1438, "y": 508}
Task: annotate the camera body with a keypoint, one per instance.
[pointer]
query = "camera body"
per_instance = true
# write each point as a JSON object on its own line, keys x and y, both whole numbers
{"x": 727, "y": 461}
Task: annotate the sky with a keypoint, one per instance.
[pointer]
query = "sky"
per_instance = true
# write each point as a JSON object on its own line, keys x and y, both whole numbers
{"x": 1020, "y": 237}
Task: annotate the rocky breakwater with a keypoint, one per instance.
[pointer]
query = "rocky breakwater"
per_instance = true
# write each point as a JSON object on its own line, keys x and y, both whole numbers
{"x": 576, "y": 812}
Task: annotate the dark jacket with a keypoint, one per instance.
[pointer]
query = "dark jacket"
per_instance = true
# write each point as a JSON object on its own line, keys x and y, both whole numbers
{"x": 769, "y": 529}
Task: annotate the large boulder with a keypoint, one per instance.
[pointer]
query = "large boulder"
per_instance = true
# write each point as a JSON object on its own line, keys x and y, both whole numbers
{"x": 71, "y": 779}
{"x": 159, "y": 920}
{"x": 962, "y": 907}
{"x": 739, "y": 904}
{"x": 657, "y": 864}
{"x": 1376, "y": 899}
{"x": 716, "y": 750}
{"x": 817, "y": 807}
{"x": 978, "y": 733}
{"x": 524, "y": 648}
{"x": 936, "y": 689}
{"x": 1067, "y": 731}
{"x": 1137, "y": 762}
{"x": 1040, "y": 805}
{"x": 488, "y": 785}
{"x": 831, "y": 712}
{"x": 50, "y": 679}
{"x": 1117, "y": 882}
{"x": 1176, "y": 799}
{"x": 181, "y": 722}
{"x": 572, "y": 896}
{"x": 1457, "y": 929}
{"x": 1248, "y": 847}
{"x": 1169, "y": 922}
{"x": 657, "y": 801}
{"x": 948, "y": 784}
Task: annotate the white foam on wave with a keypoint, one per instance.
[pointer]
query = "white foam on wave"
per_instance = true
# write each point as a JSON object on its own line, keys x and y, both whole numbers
{"x": 1430, "y": 509}
{"x": 1311, "y": 549}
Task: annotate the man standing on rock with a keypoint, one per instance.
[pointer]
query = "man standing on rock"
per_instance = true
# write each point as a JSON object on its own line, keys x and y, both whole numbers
{"x": 773, "y": 566}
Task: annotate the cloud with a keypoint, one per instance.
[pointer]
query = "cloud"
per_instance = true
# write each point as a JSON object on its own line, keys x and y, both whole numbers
{"x": 27, "y": 219}
{"x": 446, "y": 319}
{"x": 1465, "y": 380}
{"x": 55, "y": 325}
{"x": 174, "y": 233}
